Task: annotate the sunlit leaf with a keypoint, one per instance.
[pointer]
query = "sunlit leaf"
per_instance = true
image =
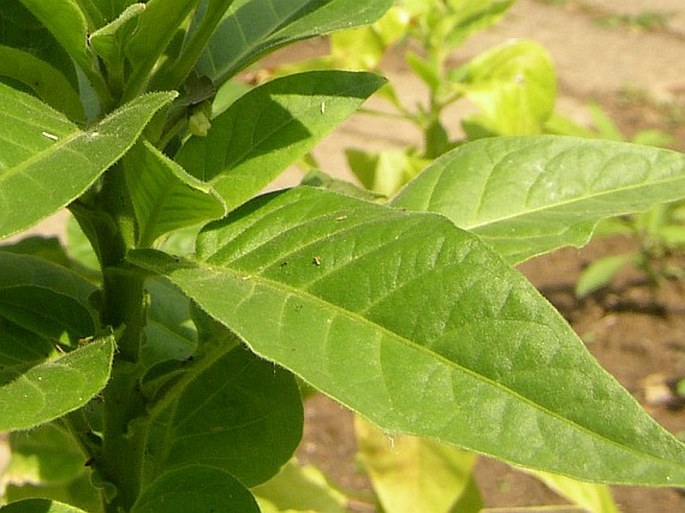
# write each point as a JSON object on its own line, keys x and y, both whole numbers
{"x": 46, "y": 161}
{"x": 421, "y": 328}
{"x": 529, "y": 195}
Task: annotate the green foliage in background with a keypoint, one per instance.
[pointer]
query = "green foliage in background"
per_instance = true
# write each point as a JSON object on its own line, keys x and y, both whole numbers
{"x": 165, "y": 345}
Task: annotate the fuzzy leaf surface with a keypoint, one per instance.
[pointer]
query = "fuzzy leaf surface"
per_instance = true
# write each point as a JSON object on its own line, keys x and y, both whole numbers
{"x": 421, "y": 328}
{"x": 253, "y": 28}
{"x": 46, "y": 161}
{"x": 270, "y": 127}
{"x": 530, "y": 195}
{"x": 55, "y": 386}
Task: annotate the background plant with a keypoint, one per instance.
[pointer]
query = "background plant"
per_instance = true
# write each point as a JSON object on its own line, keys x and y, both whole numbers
{"x": 171, "y": 373}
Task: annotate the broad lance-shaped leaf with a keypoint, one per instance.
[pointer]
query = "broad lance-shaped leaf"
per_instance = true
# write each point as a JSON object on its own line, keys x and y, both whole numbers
{"x": 54, "y": 387}
{"x": 253, "y": 28}
{"x": 164, "y": 196}
{"x": 46, "y": 161}
{"x": 196, "y": 488}
{"x": 421, "y": 328}
{"x": 270, "y": 127}
{"x": 529, "y": 195}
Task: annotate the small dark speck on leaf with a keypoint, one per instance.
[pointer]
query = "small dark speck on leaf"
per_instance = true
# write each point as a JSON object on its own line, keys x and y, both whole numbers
{"x": 283, "y": 264}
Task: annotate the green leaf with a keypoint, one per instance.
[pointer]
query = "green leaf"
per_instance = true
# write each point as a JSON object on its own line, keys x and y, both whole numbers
{"x": 67, "y": 23}
{"x": 514, "y": 85}
{"x": 46, "y": 161}
{"x": 422, "y": 329}
{"x": 39, "y": 506}
{"x": 230, "y": 410}
{"x": 591, "y": 497}
{"x": 47, "y": 82}
{"x": 271, "y": 126}
{"x": 208, "y": 15}
{"x": 300, "y": 488}
{"x": 169, "y": 331}
{"x": 529, "y": 195}
{"x": 45, "y": 455}
{"x": 385, "y": 172}
{"x": 78, "y": 493}
{"x": 253, "y": 28}
{"x": 410, "y": 474}
{"x": 601, "y": 272}
{"x": 164, "y": 196}
{"x": 109, "y": 42}
{"x": 195, "y": 488}
{"x": 54, "y": 387}
{"x": 157, "y": 25}
{"x": 45, "y": 299}
{"x": 20, "y": 29}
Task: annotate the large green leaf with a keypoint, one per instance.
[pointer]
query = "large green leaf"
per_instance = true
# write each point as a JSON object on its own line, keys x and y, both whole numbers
{"x": 423, "y": 329}
{"x": 46, "y": 161}
{"x": 529, "y": 195}
{"x": 252, "y": 28}
{"x": 164, "y": 196}
{"x": 196, "y": 488}
{"x": 228, "y": 409}
{"x": 54, "y": 387}
{"x": 268, "y": 128}
{"x": 39, "y": 506}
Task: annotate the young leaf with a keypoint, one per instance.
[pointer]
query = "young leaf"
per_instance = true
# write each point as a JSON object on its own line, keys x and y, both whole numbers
{"x": 268, "y": 128}
{"x": 530, "y": 195}
{"x": 300, "y": 488}
{"x": 514, "y": 85}
{"x": 55, "y": 387}
{"x": 164, "y": 196}
{"x": 157, "y": 25}
{"x": 253, "y": 28}
{"x": 46, "y": 161}
{"x": 592, "y": 497}
{"x": 195, "y": 488}
{"x": 230, "y": 410}
{"x": 47, "y": 83}
{"x": 421, "y": 328}
{"x": 39, "y": 506}
{"x": 601, "y": 272}
{"x": 410, "y": 474}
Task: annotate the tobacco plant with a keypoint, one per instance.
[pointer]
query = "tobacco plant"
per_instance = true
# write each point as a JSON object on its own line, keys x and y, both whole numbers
{"x": 167, "y": 379}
